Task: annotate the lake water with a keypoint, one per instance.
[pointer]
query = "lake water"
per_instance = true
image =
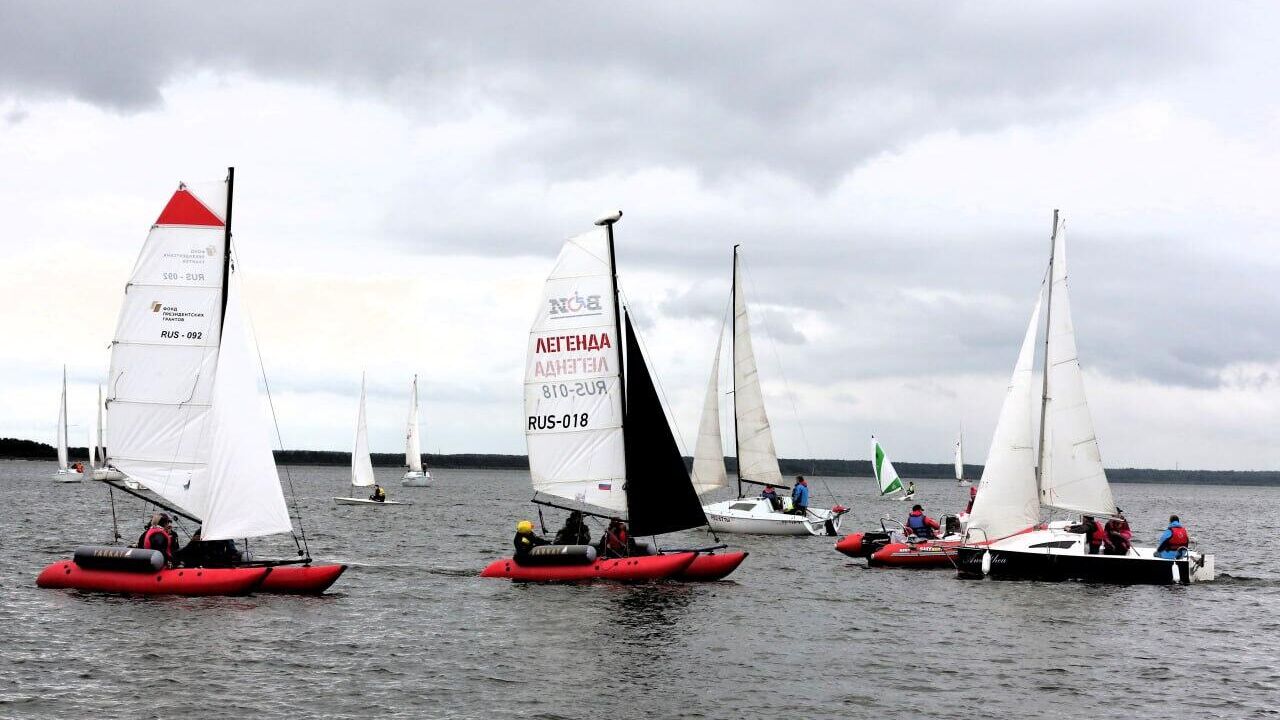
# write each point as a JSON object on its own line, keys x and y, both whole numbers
{"x": 799, "y": 631}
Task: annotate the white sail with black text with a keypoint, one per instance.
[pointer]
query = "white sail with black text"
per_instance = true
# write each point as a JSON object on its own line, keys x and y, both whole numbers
{"x": 186, "y": 421}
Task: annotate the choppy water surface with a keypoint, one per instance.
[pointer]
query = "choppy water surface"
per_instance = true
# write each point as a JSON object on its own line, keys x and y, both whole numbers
{"x": 799, "y": 631}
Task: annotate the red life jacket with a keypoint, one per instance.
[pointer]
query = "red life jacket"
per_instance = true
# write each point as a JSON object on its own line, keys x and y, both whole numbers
{"x": 1177, "y": 538}
{"x": 1098, "y": 535}
{"x": 146, "y": 539}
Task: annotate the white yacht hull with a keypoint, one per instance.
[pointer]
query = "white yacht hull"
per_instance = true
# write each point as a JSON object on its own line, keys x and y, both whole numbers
{"x": 367, "y": 501}
{"x": 755, "y": 516}
{"x": 68, "y": 476}
{"x": 110, "y": 474}
{"x": 416, "y": 479}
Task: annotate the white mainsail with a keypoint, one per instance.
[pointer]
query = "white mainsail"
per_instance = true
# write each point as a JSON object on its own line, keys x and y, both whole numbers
{"x": 1007, "y": 501}
{"x": 1072, "y": 477}
{"x": 960, "y": 456}
{"x": 185, "y": 418}
{"x": 99, "y": 455}
{"x": 886, "y": 476}
{"x": 708, "y": 456}
{"x": 757, "y": 458}
{"x": 62, "y": 423}
{"x": 361, "y": 463}
{"x": 572, "y": 388}
{"x": 413, "y": 447}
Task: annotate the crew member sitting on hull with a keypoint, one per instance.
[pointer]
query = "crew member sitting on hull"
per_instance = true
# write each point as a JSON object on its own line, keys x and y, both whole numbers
{"x": 574, "y": 532}
{"x": 1173, "y": 541}
{"x": 772, "y": 496}
{"x": 155, "y": 520}
{"x": 1119, "y": 536}
{"x": 160, "y": 537}
{"x": 911, "y": 488}
{"x": 525, "y": 541}
{"x": 615, "y": 543}
{"x": 973, "y": 495}
{"x": 379, "y": 495}
{"x": 209, "y": 553}
{"x": 800, "y": 497}
{"x": 1094, "y": 534}
{"x": 921, "y": 525}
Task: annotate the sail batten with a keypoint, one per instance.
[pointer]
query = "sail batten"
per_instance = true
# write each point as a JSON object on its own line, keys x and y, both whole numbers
{"x": 757, "y": 457}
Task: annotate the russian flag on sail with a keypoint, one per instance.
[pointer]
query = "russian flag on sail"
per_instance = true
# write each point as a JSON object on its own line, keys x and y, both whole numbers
{"x": 604, "y": 486}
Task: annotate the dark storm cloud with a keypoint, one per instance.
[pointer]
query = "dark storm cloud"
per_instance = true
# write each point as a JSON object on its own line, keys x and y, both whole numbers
{"x": 807, "y": 90}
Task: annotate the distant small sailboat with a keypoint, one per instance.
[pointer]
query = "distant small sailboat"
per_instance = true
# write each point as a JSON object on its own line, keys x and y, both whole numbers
{"x": 66, "y": 473}
{"x": 887, "y": 479}
{"x": 753, "y": 445}
{"x": 960, "y": 460}
{"x": 102, "y": 469}
{"x": 361, "y": 464}
{"x": 416, "y": 475}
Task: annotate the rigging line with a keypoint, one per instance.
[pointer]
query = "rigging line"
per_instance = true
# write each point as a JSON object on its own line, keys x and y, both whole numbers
{"x": 115, "y": 526}
{"x": 303, "y": 548}
{"x": 654, "y": 376}
{"x": 795, "y": 410}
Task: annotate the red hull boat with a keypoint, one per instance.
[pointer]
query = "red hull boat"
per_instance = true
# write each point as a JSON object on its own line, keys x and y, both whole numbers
{"x": 927, "y": 554}
{"x": 178, "y": 581}
{"x": 631, "y": 569}
{"x": 301, "y": 579}
{"x": 710, "y": 566}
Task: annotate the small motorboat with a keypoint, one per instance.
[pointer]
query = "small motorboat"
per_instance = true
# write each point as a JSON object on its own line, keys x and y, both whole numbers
{"x": 893, "y": 547}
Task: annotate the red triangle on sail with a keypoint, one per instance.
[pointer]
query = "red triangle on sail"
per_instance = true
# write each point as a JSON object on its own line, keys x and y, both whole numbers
{"x": 185, "y": 209}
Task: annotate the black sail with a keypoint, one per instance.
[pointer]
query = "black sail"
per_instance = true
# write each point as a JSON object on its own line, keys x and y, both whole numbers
{"x": 660, "y": 495}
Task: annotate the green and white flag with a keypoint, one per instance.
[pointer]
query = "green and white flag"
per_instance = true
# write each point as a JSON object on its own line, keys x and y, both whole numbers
{"x": 886, "y": 477}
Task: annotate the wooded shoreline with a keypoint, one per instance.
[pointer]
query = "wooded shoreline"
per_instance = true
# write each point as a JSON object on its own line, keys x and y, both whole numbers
{"x": 14, "y": 449}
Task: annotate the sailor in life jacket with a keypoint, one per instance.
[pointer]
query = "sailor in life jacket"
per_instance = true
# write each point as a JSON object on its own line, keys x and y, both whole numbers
{"x": 525, "y": 541}
{"x": 1173, "y": 541}
{"x": 921, "y": 525}
{"x": 160, "y": 537}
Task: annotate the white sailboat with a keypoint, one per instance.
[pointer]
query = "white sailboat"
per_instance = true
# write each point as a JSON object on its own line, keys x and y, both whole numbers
{"x": 66, "y": 473}
{"x": 1005, "y": 537}
{"x": 102, "y": 469}
{"x": 415, "y": 475}
{"x": 959, "y": 459}
{"x": 753, "y": 442}
{"x": 361, "y": 464}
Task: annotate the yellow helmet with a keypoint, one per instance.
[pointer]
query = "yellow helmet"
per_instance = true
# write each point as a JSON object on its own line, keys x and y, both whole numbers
{"x": 524, "y": 526}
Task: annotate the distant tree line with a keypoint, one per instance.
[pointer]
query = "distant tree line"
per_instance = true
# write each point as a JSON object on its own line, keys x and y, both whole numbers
{"x": 13, "y": 448}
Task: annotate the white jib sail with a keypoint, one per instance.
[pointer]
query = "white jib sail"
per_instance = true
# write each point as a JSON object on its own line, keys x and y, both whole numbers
{"x": 62, "y": 423}
{"x": 572, "y": 400}
{"x": 99, "y": 447}
{"x": 1007, "y": 501}
{"x": 186, "y": 422}
{"x": 361, "y": 463}
{"x": 244, "y": 497}
{"x": 757, "y": 458}
{"x": 708, "y": 456}
{"x": 412, "y": 446}
{"x": 886, "y": 476}
{"x": 1072, "y": 478}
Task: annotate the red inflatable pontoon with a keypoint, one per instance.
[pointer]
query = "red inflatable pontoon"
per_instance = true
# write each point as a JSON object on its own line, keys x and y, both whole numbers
{"x": 631, "y": 569}
{"x": 928, "y": 554}
{"x": 179, "y": 581}
{"x": 301, "y": 579}
{"x": 710, "y": 566}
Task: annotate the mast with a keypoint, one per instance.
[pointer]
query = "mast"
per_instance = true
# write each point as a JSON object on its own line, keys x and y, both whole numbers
{"x": 1044, "y": 388}
{"x": 226, "y": 249}
{"x": 607, "y": 224}
{"x": 733, "y": 356}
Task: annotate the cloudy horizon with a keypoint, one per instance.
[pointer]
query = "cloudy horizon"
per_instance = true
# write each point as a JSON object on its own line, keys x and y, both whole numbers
{"x": 406, "y": 174}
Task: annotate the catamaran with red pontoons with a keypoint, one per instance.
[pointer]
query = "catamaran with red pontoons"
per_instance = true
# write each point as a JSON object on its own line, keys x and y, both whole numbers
{"x": 598, "y": 438}
{"x": 1005, "y": 537}
{"x": 186, "y": 421}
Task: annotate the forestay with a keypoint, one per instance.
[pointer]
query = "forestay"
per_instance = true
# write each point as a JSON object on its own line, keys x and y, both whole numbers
{"x": 886, "y": 476}
{"x": 757, "y": 458}
{"x": 708, "y": 456}
{"x": 413, "y": 448}
{"x": 1007, "y": 501}
{"x": 166, "y": 378}
{"x": 361, "y": 463}
{"x": 1072, "y": 477}
{"x": 572, "y": 391}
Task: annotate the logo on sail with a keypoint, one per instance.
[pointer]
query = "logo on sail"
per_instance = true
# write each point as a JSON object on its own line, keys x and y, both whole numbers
{"x": 156, "y": 305}
{"x": 575, "y": 304}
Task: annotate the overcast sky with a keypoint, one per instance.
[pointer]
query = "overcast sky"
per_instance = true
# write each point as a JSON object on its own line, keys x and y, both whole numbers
{"x": 407, "y": 172}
